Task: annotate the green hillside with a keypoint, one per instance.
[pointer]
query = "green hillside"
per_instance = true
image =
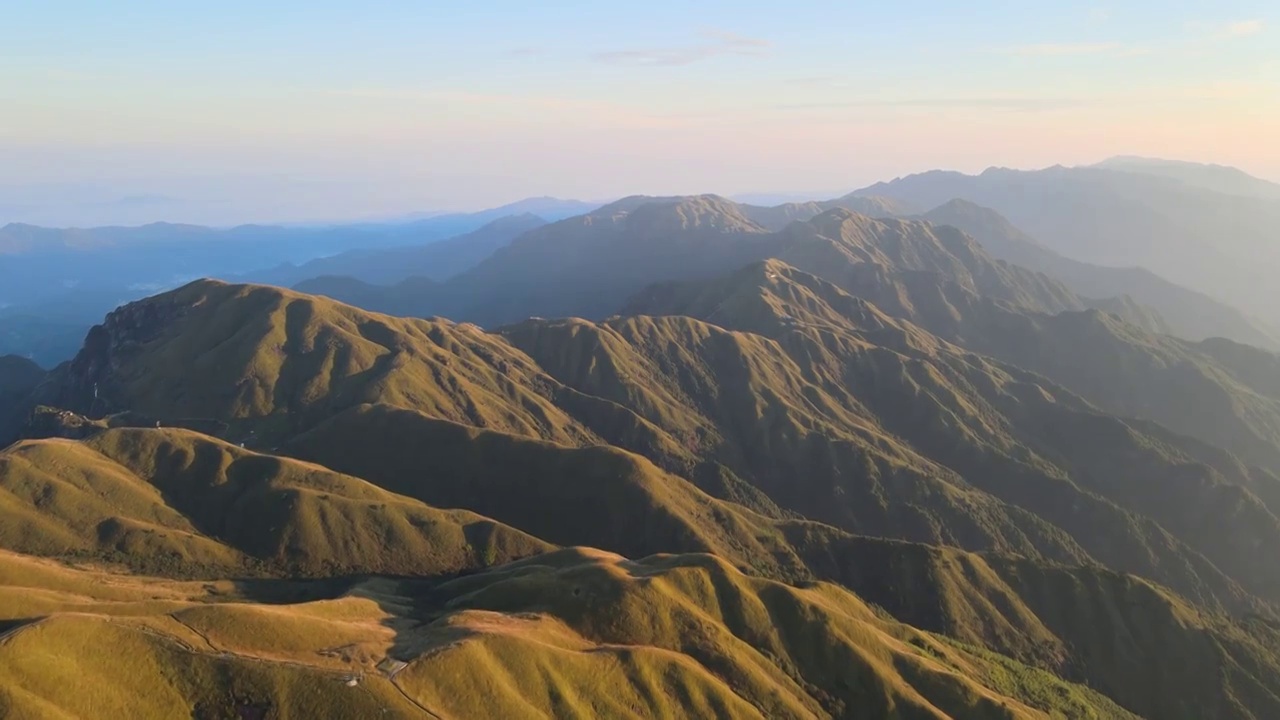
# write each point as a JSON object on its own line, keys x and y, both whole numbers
{"x": 578, "y": 633}
{"x": 879, "y": 475}
{"x": 182, "y": 504}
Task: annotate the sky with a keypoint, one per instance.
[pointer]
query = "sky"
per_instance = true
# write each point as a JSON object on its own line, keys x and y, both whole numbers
{"x": 248, "y": 111}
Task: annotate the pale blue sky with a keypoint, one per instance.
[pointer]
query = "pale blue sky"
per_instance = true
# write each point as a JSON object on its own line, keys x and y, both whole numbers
{"x": 341, "y": 108}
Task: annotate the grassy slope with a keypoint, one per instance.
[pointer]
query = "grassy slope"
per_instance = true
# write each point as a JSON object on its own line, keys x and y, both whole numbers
{"x": 262, "y": 357}
{"x": 742, "y": 415}
{"x": 691, "y": 396}
{"x": 177, "y": 502}
{"x": 597, "y": 496}
{"x": 1132, "y": 640}
{"x": 613, "y": 500}
{"x": 1117, "y": 365}
{"x": 1140, "y": 493}
{"x": 579, "y": 633}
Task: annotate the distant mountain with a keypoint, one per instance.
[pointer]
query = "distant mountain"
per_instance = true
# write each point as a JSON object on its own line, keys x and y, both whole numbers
{"x": 18, "y": 378}
{"x": 776, "y": 218}
{"x": 788, "y": 464}
{"x": 772, "y": 199}
{"x": 1218, "y": 244}
{"x": 841, "y": 435}
{"x": 437, "y": 260}
{"x": 548, "y": 208}
{"x": 588, "y": 266}
{"x": 45, "y": 271}
{"x": 545, "y": 207}
{"x": 1218, "y": 178}
{"x": 44, "y": 340}
{"x": 264, "y": 365}
{"x": 1189, "y": 314}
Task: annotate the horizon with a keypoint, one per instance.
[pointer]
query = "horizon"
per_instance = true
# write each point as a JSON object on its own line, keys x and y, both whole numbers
{"x": 292, "y": 113}
{"x": 412, "y": 213}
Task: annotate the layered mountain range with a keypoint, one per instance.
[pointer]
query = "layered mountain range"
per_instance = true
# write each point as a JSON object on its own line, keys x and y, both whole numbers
{"x": 676, "y": 457}
{"x": 1203, "y": 227}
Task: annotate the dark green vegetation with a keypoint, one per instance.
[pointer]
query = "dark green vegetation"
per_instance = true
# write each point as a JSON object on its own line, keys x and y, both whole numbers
{"x": 833, "y": 466}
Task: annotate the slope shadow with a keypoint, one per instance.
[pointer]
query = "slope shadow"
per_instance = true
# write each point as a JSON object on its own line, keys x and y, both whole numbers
{"x": 408, "y": 611}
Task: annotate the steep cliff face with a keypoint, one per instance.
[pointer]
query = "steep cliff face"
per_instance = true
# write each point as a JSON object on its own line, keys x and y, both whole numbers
{"x": 18, "y": 378}
{"x": 89, "y": 382}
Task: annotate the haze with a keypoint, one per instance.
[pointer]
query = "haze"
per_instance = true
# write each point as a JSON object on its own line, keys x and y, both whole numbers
{"x": 131, "y": 112}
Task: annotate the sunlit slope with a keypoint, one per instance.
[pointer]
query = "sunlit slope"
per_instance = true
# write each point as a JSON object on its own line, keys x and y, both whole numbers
{"x": 1004, "y": 429}
{"x": 86, "y": 644}
{"x": 599, "y": 496}
{"x": 259, "y": 357}
{"x": 873, "y": 425}
{"x": 615, "y": 500}
{"x": 579, "y": 632}
{"x": 588, "y": 266}
{"x": 785, "y": 651}
{"x": 1140, "y": 644}
{"x": 871, "y": 430}
{"x": 177, "y": 502}
{"x": 942, "y": 281}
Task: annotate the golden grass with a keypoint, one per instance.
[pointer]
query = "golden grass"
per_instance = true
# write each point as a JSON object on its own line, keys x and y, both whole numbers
{"x": 576, "y": 633}
{"x": 180, "y": 503}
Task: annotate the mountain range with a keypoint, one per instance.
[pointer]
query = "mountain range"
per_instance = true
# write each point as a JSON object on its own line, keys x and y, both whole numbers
{"x": 1189, "y": 314}
{"x": 1177, "y": 221}
{"x": 590, "y": 265}
{"x": 675, "y": 457}
{"x": 56, "y": 283}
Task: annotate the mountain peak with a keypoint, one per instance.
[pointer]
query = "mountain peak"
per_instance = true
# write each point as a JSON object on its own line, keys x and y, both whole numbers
{"x": 836, "y": 221}
{"x": 698, "y": 212}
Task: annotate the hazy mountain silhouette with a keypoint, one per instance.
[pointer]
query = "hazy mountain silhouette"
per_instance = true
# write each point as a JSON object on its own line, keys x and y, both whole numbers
{"x": 792, "y": 401}
{"x": 759, "y": 462}
{"x": 437, "y": 260}
{"x": 66, "y": 279}
{"x": 588, "y": 266}
{"x": 1189, "y": 314}
{"x": 1218, "y": 178}
{"x": 1220, "y": 244}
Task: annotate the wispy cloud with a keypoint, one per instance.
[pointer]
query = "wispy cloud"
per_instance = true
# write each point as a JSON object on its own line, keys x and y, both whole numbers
{"x": 528, "y": 106}
{"x": 1009, "y": 104}
{"x": 1243, "y": 28}
{"x": 1204, "y": 32}
{"x": 1069, "y": 49}
{"x": 527, "y": 52}
{"x": 1099, "y": 14}
{"x": 716, "y": 43}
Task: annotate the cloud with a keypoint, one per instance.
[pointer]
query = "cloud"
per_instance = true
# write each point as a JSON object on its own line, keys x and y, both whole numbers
{"x": 717, "y": 43}
{"x": 1218, "y": 32}
{"x": 1010, "y": 104}
{"x": 1244, "y": 28}
{"x": 1067, "y": 49}
{"x": 531, "y": 107}
{"x": 527, "y": 52}
{"x": 1099, "y": 14}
